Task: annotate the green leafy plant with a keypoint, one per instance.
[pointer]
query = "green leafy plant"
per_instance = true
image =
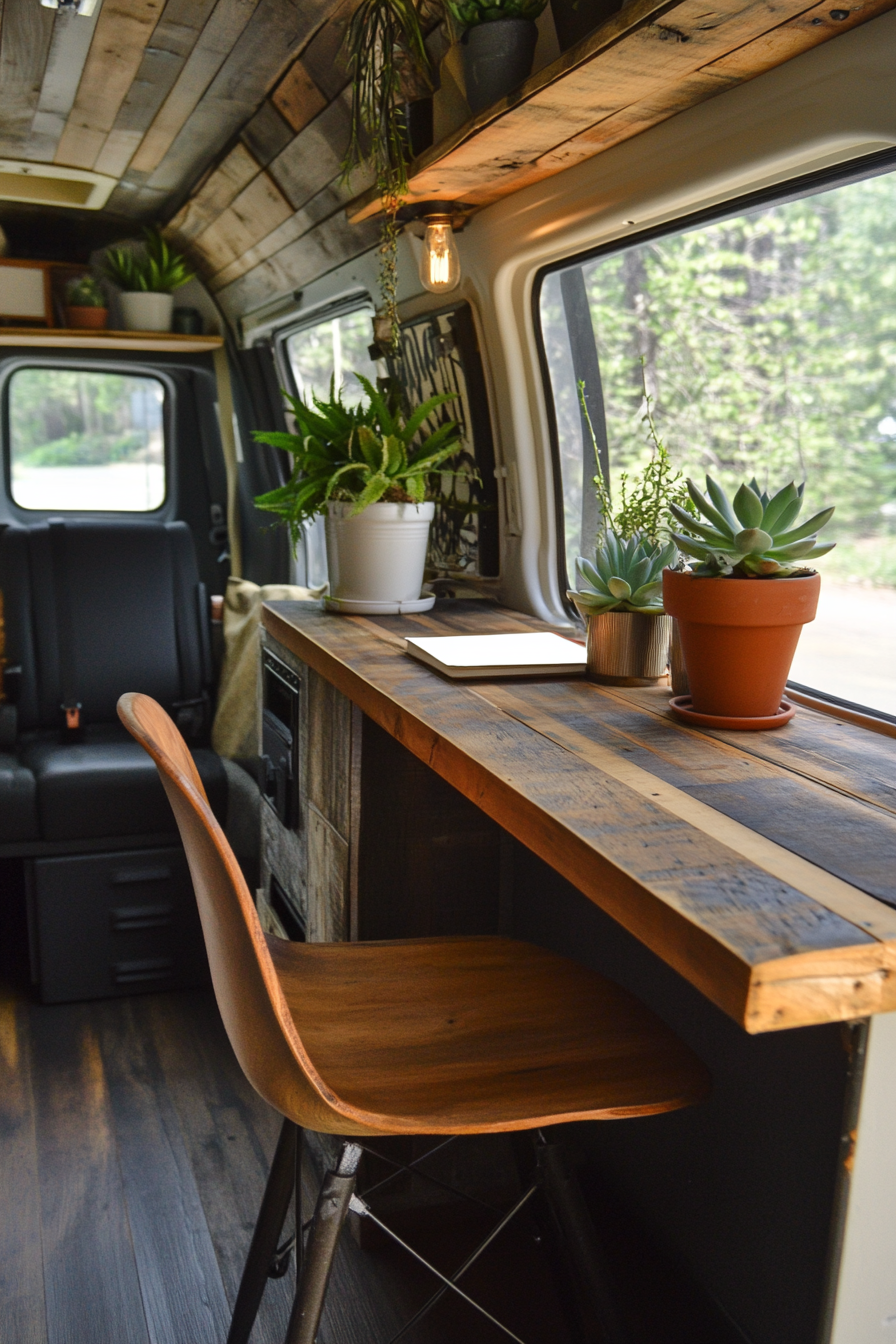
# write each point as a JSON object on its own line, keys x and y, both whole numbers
{"x": 84, "y": 292}
{"x": 154, "y": 269}
{"x": 633, "y": 546}
{"x": 468, "y": 13}
{"x": 752, "y": 536}
{"x": 360, "y": 454}
{"x": 388, "y": 63}
{"x": 625, "y": 575}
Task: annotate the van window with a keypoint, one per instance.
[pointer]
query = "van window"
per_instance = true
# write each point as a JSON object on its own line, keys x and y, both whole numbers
{"x": 766, "y": 342}
{"x": 86, "y": 440}
{"x": 337, "y": 348}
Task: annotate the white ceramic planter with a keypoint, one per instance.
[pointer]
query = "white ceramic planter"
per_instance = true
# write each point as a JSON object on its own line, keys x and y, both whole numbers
{"x": 379, "y": 555}
{"x": 146, "y": 312}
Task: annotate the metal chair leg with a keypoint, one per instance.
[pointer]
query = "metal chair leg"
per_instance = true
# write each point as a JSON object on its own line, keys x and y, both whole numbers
{"x": 317, "y": 1262}
{"x": 271, "y": 1217}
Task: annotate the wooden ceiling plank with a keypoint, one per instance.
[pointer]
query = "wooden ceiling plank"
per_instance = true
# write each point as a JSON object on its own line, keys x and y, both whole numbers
{"x": 320, "y": 207}
{"x": 297, "y": 97}
{"x": 175, "y": 36}
{"x": 25, "y": 40}
{"x": 258, "y": 210}
{"x": 322, "y": 58}
{"x": 72, "y": 36}
{"x": 216, "y": 194}
{"x": 278, "y": 30}
{"x": 120, "y": 37}
{"x": 222, "y": 30}
{"x": 317, "y": 252}
{"x": 315, "y": 156}
{"x": 267, "y": 134}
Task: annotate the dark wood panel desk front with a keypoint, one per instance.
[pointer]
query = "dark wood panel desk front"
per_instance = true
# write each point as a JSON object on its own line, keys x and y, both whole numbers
{"x": 759, "y": 866}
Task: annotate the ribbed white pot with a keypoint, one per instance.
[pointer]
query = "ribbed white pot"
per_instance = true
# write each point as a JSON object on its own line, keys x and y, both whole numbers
{"x": 379, "y": 555}
{"x": 146, "y": 312}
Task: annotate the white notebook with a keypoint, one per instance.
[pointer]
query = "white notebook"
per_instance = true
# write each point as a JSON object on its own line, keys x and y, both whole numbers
{"x": 524, "y": 655}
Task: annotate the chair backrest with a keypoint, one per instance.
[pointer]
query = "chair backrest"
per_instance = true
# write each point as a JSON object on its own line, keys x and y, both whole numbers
{"x": 251, "y": 1001}
{"x": 118, "y": 604}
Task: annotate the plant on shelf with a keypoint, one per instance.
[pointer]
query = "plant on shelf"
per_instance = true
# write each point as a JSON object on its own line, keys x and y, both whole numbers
{"x": 84, "y": 292}
{"x": 499, "y": 40}
{"x": 85, "y": 303}
{"x": 362, "y": 467}
{"x": 741, "y": 609}
{"x": 753, "y": 536}
{"x": 147, "y": 275}
{"x": 625, "y": 575}
{"x": 155, "y": 269}
{"x": 386, "y": 57}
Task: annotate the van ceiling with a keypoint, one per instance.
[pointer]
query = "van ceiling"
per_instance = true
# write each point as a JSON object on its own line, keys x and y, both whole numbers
{"x": 244, "y": 100}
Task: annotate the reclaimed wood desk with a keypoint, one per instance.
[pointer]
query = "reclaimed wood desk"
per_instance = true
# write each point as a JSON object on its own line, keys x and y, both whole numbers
{"x": 761, "y": 866}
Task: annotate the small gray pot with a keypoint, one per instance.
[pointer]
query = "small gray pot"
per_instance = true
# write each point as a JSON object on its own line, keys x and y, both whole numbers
{"x": 627, "y": 648}
{"x": 497, "y": 58}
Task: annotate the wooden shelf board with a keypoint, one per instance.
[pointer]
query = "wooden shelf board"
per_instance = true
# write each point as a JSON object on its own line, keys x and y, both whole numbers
{"x": 70, "y": 338}
{"x": 645, "y": 64}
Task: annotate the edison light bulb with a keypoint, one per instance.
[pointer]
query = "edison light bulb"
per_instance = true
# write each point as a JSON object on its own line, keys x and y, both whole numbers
{"x": 439, "y": 262}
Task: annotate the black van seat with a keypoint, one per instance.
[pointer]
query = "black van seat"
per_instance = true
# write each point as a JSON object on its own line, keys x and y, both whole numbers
{"x": 18, "y": 801}
{"x": 93, "y": 609}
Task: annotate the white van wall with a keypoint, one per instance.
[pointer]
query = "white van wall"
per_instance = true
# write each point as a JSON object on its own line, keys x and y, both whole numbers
{"x": 827, "y": 106}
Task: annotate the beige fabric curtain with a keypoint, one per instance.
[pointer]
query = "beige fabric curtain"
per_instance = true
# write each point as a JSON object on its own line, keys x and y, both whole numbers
{"x": 235, "y": 730}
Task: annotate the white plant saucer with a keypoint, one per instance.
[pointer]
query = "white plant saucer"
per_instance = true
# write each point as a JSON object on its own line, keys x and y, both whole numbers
{"x": 349, "y": 607}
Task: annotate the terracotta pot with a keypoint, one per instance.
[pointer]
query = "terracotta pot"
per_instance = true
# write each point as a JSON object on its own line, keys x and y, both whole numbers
{"x": 738, "y": 637}
{"x": 86, "y": 318}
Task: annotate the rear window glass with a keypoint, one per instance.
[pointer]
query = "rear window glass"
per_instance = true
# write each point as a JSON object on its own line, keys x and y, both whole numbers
{"x": 338, "y": 348}
{"x": 86, "y": 440}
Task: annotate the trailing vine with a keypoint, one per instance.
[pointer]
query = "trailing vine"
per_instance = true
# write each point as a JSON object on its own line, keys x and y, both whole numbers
{"x": 386, "y": 58}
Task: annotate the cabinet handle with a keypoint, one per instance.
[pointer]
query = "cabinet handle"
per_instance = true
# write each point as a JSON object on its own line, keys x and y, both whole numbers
{"x": 126, "y": 917}
{"x": 135, "y": 972}
{"x": 124, "y": 875}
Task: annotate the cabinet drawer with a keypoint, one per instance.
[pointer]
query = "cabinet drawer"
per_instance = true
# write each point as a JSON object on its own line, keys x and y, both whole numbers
{"x": 112, "y": 924}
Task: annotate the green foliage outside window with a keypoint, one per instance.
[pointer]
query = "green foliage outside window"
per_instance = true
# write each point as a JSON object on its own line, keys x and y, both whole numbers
{"x": 769, "y": 349}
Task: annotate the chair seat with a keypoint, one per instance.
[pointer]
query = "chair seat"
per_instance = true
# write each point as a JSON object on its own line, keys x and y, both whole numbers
{"x": 457, "y": 1035}
{"x": 106, "y": 785}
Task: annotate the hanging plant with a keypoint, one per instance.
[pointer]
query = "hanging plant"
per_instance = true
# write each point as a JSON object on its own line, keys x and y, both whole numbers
{"x": 387, "y": 60}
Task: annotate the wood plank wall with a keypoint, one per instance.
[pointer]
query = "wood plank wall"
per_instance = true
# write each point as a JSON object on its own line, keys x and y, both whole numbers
{"x": 225, "y": 119}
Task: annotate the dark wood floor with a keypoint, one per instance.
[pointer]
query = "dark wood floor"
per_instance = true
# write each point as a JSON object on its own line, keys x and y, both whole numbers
{"x": 132, "y": 1160}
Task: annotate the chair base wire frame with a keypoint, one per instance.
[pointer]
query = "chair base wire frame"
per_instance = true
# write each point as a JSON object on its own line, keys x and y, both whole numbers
{"x": 337, "y": 1198}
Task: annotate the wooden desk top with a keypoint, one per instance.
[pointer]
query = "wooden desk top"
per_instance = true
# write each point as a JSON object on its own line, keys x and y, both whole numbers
{"x": 761, "y": 866}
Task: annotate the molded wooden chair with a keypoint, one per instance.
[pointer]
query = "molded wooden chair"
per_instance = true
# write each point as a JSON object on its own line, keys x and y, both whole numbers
{"x": 426, "y": 1036}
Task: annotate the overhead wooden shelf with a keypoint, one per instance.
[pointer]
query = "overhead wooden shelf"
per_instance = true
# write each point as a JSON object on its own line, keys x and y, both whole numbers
{"x": 70, "y": 338}
{"x": 642, "y": 66}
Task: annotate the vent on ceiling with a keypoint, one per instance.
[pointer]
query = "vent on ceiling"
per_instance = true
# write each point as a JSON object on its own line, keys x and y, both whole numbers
{"x": 46, "y": 184}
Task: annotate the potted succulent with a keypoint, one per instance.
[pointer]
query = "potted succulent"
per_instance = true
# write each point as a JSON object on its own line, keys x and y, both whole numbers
{"x": 147, "y": 278}
{"x": 499, "y": 38}
{"x": 619, "y": 592}
{"x": 741, "y": 609}
{"x": 367, "y": 469}
{"x": 85, "y": 303}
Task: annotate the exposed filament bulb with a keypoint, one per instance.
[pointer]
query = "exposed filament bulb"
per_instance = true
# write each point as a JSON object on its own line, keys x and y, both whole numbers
{"x": 439, "y": 262}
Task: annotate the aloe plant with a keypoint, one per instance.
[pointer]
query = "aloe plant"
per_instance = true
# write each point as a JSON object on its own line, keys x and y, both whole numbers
{"x": 752, "y": 536}
{"x": 625, "y": 575}
{"x": 360, "y": 454}
{"x": 154, "y": 270}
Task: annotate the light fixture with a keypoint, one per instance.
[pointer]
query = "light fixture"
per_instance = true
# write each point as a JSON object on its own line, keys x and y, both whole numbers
{"x": 85, "y": 7}
{"x": 439, "y": 261}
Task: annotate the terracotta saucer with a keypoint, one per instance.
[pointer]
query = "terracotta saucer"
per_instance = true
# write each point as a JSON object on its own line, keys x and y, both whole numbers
{"x": 681, "y": 705}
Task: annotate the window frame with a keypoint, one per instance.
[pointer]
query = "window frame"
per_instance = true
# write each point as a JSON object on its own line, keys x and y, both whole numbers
{"x": 126, "y": 369}
{"x": 808, "y": 184}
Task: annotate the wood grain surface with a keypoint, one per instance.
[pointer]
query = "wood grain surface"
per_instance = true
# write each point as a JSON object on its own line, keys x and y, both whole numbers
{"x": 643, "y": 65}
{"x": 773, "y": 951}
